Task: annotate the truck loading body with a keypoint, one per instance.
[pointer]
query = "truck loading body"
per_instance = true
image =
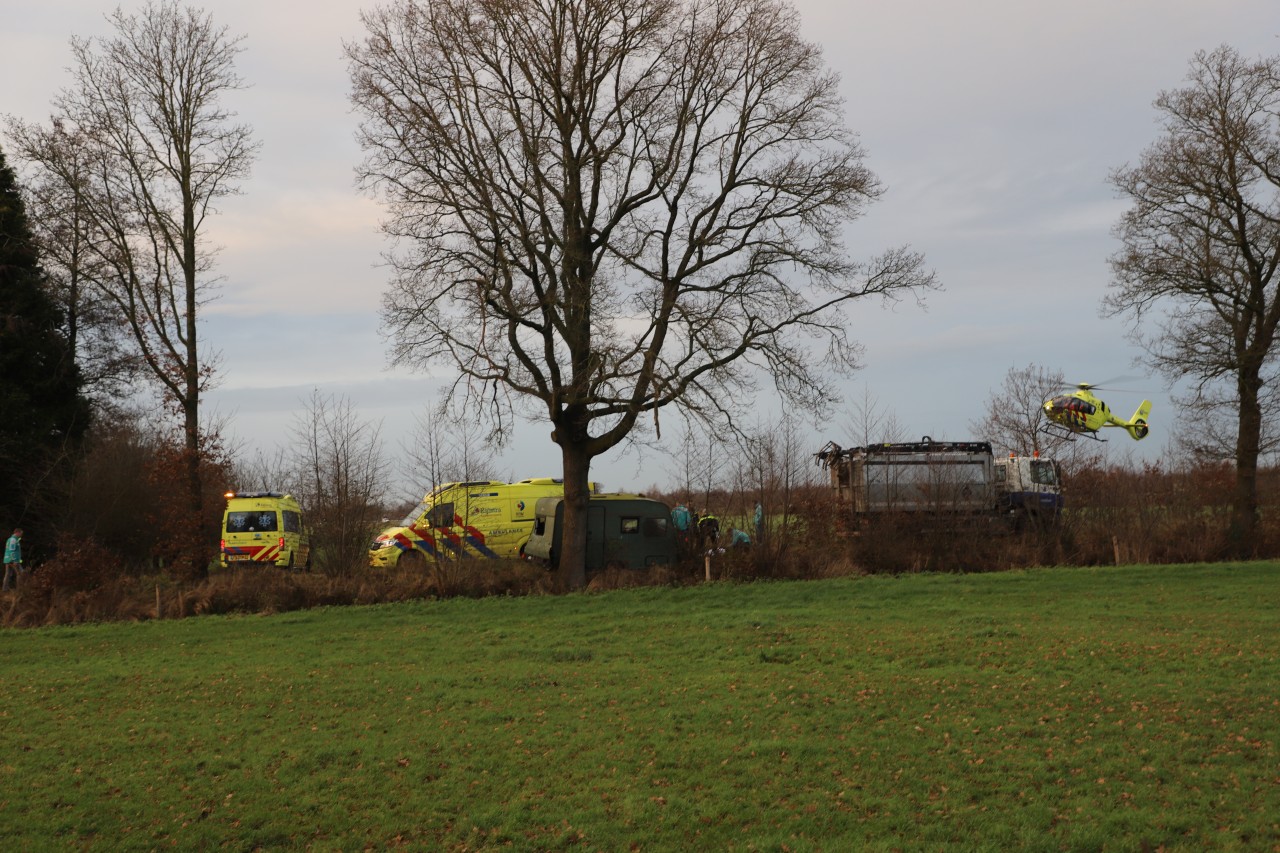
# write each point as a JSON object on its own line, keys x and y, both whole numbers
{"x": 484, "y": 519}
{"x": 943, "y": 479}
{"x": 623, "y": 531}
{"x": 264, "y": 528}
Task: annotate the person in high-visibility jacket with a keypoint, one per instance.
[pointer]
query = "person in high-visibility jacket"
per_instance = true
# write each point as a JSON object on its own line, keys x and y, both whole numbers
{"x": 709, "y": 529}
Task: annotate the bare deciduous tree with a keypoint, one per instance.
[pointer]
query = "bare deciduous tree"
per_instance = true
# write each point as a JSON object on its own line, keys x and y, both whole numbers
{"x": 698, "y": 456}
{"x": 341, "y": 474}
{"x": 869, "y": 422}
{"x": 607, "y": 207}
{"x": 1201, "y": 245}
{"x": 155, "y": 150}
{"x": 1198, "y": 435}
{"x": 266, "y": 471}
{"x": 61, "y": 226}
{"x": 444, "y": 448}
{"x": 778, "y": 464}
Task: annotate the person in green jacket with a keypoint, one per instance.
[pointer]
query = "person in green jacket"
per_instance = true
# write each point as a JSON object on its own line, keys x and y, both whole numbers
{"x": 13, "y": 558}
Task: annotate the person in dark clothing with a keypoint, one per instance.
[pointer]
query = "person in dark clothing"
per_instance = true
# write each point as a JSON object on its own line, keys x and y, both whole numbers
{"x": 709, "y": 530}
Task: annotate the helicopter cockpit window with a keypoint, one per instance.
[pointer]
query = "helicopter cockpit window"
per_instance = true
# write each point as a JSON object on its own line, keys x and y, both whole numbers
{"x": 1074, "y": 404}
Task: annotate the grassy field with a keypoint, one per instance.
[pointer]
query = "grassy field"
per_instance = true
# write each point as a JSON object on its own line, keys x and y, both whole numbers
{"x": 1081, "y": 709}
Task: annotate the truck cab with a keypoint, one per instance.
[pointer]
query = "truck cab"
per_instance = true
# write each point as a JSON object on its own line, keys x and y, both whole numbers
{"x": 1029, "y": 489}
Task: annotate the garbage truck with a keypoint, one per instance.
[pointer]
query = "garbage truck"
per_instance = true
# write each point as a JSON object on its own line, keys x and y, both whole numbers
{"x": 943, "y": 481}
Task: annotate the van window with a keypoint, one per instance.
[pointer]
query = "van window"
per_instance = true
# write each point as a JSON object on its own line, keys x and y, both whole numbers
{"x": 257, "y": 521}
{"x": 630, "y": 525}
{"x": 655, "y": 527}
{"x": 441, "y": 515}
{"x": 292, "y": 521}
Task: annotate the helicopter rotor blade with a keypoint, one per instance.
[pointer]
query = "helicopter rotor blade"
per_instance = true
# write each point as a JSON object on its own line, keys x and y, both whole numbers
{"x": 1128, "y": 377}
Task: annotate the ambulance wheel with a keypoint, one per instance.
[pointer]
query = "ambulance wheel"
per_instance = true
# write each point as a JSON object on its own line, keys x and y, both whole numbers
{"x": 289, "y": 565}
{"x": 412, "y": 560}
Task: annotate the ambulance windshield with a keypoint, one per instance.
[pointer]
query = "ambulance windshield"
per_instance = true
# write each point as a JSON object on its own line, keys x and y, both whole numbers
{"x": 414, "y": 514}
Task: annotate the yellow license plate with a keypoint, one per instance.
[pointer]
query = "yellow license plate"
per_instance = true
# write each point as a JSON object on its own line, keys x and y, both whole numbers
{"x": 231, "y": 558}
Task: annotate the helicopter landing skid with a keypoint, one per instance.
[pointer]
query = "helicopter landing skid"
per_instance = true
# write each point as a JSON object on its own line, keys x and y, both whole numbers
{"x": 1059, "y": 431}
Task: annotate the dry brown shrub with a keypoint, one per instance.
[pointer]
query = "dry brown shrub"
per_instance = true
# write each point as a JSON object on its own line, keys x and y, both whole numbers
{"x": 35, "y": 607}
{"x": 808, "y": 561}
{"x": 615, "y": 578}
{"x": 79, "y": 565}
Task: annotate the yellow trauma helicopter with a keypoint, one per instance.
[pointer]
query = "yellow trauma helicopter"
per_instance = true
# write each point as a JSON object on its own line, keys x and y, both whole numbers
{"x": 1081, "y": 413}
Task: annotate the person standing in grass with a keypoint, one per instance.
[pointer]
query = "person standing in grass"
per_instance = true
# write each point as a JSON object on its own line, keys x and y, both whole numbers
{"x": 13, "y": 558}
{"x": 759, "y": 521}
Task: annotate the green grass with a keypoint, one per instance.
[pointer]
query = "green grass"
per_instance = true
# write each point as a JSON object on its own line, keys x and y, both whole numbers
{"x": 1054, "y": 709}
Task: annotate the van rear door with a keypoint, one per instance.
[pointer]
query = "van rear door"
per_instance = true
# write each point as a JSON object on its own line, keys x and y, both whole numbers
{"x": 596, "y": 536}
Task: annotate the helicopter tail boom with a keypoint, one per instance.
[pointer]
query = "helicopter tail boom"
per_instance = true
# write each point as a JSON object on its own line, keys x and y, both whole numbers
{"x": 1136, "y": 426}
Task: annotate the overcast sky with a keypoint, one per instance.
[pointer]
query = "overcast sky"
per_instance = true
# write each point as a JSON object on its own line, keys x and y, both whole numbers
{"x": 992, "y": 123}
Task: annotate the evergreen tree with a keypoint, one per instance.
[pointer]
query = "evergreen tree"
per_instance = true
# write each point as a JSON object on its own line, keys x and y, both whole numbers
{"x": 42, "y": 413}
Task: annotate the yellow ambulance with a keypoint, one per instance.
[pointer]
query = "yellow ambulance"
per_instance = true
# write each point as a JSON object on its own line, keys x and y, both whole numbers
{"x": 484, "y": 519}
{"x": 264, "y": 528}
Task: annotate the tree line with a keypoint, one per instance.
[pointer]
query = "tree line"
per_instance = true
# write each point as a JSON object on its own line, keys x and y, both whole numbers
{"x": 602, "y": 212}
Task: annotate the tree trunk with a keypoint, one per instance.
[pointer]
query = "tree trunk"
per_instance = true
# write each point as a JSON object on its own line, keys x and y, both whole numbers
{"x": 573, "y": 541}
{"x": 1243, "y": 533}
{"x": 197, "y": 539}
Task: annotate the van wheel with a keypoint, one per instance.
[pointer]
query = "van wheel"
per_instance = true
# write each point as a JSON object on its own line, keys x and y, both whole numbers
{"x": 289, "y": 565}
{"x": 412, "y": 560}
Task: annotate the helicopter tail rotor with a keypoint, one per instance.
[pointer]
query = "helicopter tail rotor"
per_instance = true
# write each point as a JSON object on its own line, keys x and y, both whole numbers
{"x": 1137, "y": 425}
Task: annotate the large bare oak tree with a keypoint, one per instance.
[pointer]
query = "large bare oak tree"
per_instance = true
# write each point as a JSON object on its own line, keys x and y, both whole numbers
{"x": 155, "y": 150}
{"x": 605, "y": 207}
{"x": 1201, "y": 245}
